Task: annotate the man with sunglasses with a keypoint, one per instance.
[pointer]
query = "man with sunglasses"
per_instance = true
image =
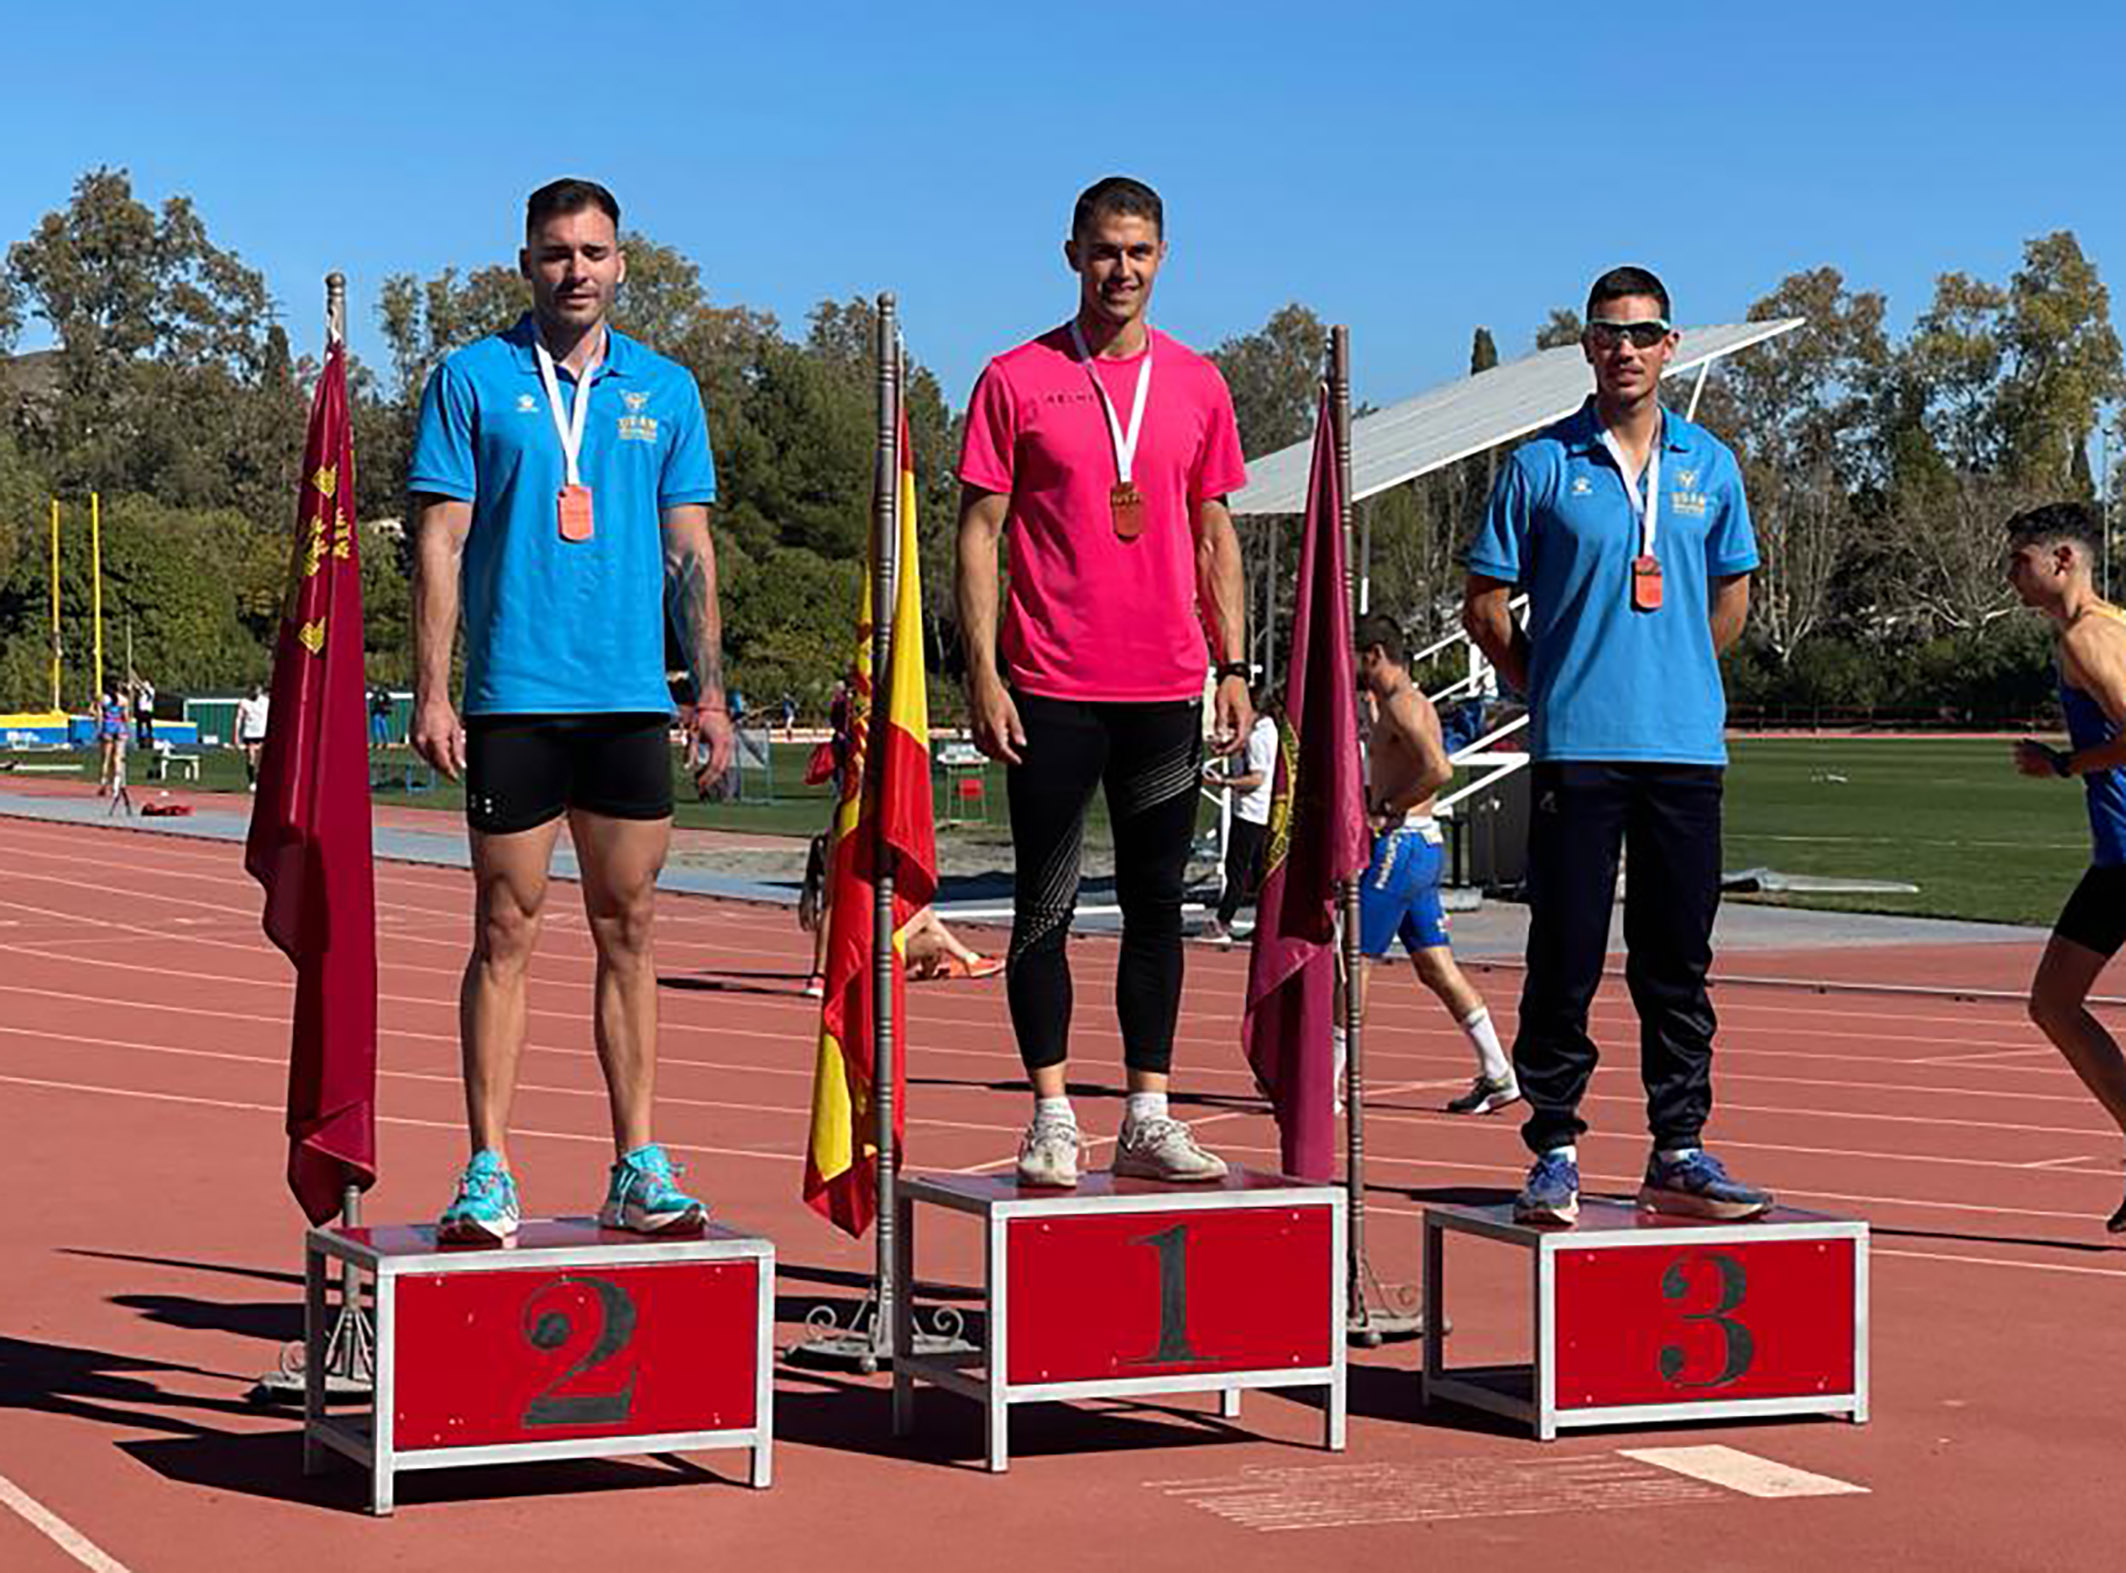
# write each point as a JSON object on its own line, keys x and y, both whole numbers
{"x": 1107, "y": 450}
{"x": 1627, "y": 526}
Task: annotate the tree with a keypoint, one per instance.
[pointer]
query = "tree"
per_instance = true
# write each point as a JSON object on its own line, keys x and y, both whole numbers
{"x": 1274, "y": 374}
{"x": 1805, "y": 412}
{"x": 161, "y": 338}
{"x": 1560, "y": 328}
{"x": 1483, "y": 353}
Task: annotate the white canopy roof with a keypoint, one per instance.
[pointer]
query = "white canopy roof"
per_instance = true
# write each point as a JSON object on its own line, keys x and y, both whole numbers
{"x": 1466, "y": 417}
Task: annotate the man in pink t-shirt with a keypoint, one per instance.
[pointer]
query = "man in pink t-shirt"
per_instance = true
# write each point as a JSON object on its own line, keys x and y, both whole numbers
{"x": 1106, "y": 449}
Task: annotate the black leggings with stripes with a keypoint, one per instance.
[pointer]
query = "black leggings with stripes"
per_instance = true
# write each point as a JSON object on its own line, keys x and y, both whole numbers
{"x": 1147, "y": 756}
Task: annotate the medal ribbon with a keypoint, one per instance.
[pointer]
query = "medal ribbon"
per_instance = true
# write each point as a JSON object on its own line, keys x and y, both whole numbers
{"x": 570, "y": 431}
{"x": 1647, "y": 509}
{"x": 1125, "y": 441}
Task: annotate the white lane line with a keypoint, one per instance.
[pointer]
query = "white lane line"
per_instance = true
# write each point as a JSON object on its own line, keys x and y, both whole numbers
{"x": 2061, "y": 1163}
{"x": 57, "y": 1530}
{"x": 1996, "y": 1261}
{"x": 1743, "y": 1472}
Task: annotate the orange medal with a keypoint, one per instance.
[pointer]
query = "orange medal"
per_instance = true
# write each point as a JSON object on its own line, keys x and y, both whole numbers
{"x": 575, "y": 513}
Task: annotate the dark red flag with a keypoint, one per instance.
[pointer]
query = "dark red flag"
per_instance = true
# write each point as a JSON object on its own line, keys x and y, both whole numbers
{"x": 309, "y": 840}
{"x": 1317, "y": 839}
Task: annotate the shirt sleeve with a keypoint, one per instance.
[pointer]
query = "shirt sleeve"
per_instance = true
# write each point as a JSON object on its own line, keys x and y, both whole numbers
{"x": 1731, "y": 541}
{"x": 988, "y": 447}
{"x": 689, "y": 475}
{"x": 1219, "y": 468}
{"x": 443, "y": 440}
{"x": 1499, "y": 550}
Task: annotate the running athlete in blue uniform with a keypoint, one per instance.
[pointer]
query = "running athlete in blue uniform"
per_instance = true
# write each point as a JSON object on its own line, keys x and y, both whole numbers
{"x": 1406, "y": 765}
{"x": 2050, "y": 551}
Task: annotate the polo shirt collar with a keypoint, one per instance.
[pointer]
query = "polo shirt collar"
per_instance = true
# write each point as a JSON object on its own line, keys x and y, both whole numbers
{"x": 1583, "y": 431}
{"x": 621, "y": 351}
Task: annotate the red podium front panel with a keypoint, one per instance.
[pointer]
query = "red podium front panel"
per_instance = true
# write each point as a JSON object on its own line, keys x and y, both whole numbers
{"x": 1669, "y": 1323}
{"x": 1642, "y": 1318}
{"x": 533, "y": 1356}
{"x": 1122, "y": 1287}
{"x": 1094, "y": 1296}
{"x": 572, "y": 1341}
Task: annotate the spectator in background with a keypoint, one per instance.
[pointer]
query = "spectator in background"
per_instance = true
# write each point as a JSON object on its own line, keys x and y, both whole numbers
{"x": 379, "y": 716}
{"x": 144, "y": 712}
{"x": 252, "y": 714}
{"x": 1251, "y": 786}
{"x": 789, "y": 714}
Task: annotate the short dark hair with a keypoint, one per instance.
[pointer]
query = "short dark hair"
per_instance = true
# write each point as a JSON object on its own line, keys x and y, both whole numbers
{"x": 568, "y": 195}
{"x": 1377, "y": 628}
{"x": 2055, "y": 522}
{"x": 1117, "y": 196}
{"x": 1620, "y": 282}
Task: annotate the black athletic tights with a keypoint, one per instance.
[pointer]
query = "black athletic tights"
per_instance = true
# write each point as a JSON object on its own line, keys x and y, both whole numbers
{"x": 1147, "y": 756}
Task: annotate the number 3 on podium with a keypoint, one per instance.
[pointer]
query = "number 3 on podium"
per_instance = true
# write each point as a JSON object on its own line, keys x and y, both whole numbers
{"x": 1739, "y": 1345}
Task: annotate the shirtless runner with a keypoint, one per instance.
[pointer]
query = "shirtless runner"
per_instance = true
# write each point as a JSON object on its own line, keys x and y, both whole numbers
{"x": 1406, "y": 765}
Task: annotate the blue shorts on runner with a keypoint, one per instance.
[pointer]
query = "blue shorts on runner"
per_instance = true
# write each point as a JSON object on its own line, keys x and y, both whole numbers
{"x": 1399, "y": 895}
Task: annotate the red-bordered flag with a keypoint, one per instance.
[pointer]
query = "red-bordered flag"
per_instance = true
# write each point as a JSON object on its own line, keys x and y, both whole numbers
{"x": 885, "y": 803}
{"x": 309, "y": 839}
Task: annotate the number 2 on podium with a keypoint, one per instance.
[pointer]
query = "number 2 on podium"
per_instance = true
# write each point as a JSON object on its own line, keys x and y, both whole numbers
{"x": 552, "y": 1329}
{"x": 1172, "y": 1246}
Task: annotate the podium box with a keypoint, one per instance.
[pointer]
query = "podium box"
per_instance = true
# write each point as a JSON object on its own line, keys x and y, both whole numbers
{"x": 1125, "y": 1287}
{"x": 570, "y": 1342}
{"x": 1642, "y": 1318}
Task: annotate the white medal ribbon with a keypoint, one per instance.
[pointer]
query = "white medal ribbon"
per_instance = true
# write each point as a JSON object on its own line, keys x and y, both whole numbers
{"x": 1125, "y": 441}
{"x": 1647, "y": 509}
{"x": 570, "y": 431}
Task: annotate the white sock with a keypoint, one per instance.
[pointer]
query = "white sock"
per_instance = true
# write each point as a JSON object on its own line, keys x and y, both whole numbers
{"x": 1143, "y": 1106}
{"x": 1484, "y": 1038}
{"x": 1055, "y": 1111}
{"x": 1675, "y": 1154}
{"x": 1569, "y": 1152}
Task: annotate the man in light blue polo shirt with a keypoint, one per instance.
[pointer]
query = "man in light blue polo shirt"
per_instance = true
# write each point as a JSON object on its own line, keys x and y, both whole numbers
{"x": 1627, "y": 526}
{"x": 563, "y": 479}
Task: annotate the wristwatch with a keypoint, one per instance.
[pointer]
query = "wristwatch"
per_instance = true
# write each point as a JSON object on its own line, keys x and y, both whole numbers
{"x": 1226, "y": 669}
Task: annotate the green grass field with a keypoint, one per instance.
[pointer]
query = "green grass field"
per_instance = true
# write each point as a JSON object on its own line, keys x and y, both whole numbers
{"x": 1949, "y": 815}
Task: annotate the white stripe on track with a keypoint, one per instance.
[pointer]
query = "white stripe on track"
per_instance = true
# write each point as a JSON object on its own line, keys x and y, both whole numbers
{"x": 57, "y": 1530}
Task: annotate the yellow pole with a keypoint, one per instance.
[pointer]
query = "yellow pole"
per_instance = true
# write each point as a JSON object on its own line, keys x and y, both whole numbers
{"x": 96, "y": 583}
{"x": 57, "y": 693}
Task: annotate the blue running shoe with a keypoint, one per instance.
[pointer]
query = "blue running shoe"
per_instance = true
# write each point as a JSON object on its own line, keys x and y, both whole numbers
{"x": 486, "y": 1206}
{"x": 1552, "y": 1194}
{"x": 642, "y": 1197}
{"x": 1696, "y": 1186}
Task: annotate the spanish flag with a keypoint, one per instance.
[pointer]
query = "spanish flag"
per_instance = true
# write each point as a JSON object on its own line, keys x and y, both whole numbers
{"x": 884, "y": 809}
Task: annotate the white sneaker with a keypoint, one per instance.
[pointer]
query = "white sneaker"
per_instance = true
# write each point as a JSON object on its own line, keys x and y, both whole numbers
{"x": 1485, "y": 1095}
{"x": 1049, "y": 1154}
{"x": 1164, "y": 1150}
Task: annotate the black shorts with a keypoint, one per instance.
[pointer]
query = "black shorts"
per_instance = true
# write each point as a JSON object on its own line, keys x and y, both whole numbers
{"x": 522, "y": 771}
{"x": 2095, "y": 915}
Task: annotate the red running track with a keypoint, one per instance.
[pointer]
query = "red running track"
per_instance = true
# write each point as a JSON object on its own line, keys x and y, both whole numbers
{"x": 150, "y": 1251}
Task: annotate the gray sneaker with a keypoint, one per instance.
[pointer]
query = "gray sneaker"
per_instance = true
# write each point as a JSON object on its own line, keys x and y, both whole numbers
{"x": 1049, "y": 1154}
{"x": 1164, "y": 1150}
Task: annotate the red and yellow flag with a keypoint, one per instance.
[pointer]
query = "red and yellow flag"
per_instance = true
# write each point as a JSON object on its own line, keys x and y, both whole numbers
{"x": 309, "y": 837}
{"x": 885, "y": 807}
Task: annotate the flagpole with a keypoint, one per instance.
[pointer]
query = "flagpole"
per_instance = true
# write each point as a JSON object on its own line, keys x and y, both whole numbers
{"x": 350, "y": 1349}
{"x": 885, "y": 522}
{"x": 1368, "y": 1324}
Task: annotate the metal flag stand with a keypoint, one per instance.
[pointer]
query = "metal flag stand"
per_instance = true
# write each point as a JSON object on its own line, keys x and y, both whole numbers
{"x": 350, "y": 1351}
{"x": 1378, "y": 1313}
{"x": 865, "y": 1342}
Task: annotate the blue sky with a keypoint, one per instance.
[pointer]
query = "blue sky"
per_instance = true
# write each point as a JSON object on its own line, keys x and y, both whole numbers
{"x": 1410, "y": 169}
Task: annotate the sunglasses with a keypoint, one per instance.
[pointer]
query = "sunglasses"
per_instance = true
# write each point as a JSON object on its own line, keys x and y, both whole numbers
{"x": 1643, "y": 335}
